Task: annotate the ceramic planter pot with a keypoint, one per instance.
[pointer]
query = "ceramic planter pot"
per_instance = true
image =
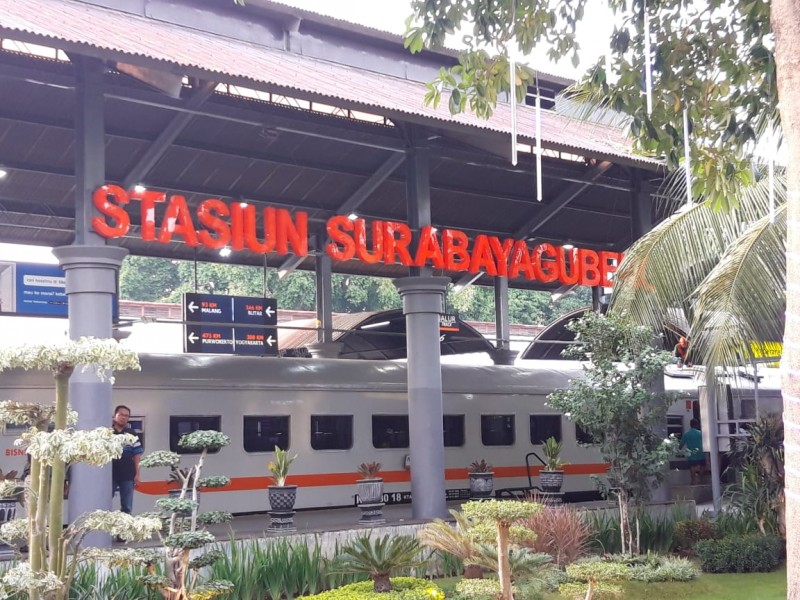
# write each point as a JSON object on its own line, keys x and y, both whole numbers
{"x": 281, "y": 501}
{"x": 8, "y": 512}
{"x": 551, "y": 481}
{"x": 481, "y": 485}
{"x": 370, "y": 501}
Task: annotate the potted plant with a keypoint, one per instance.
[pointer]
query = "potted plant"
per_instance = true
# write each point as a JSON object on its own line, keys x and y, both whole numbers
{"x": 481, "y": 479}
{"x": 370, "y": 493}
{"x": 551, "y": 477}
{"x": 281, "y": 496}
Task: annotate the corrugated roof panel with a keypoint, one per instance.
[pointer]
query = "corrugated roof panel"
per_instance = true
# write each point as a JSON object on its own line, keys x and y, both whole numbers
{"x": 99, "y": 31}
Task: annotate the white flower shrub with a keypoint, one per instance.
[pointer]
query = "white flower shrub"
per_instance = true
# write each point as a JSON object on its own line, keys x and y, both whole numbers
{"x": 12, "y": 531}
{"x": 103, "y": 356}
{"x": 96, "y": 447}
{"x": 21, "y": 577}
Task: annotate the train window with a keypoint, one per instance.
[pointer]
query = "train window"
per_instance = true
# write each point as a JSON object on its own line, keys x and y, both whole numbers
{"x": 180, "y": 426}
{"x": 544, "y": 427}
{"x": 675, "y": 425}
{"x": 453, "y": 430}
{"x": 497, "y": 430}
{"x": 390, "y": 431}
{"x": 582, "y": 436}
{"x": 331, "y": 432}
{"x": 262, "y": 434}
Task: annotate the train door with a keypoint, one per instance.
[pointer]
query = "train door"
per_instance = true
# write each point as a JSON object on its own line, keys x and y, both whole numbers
{"x": 137, "y": 425}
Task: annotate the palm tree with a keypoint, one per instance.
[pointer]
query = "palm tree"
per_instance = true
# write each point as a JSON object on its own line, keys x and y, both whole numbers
{"x": 379, "y": 559}
{"x": 724, "y": 270}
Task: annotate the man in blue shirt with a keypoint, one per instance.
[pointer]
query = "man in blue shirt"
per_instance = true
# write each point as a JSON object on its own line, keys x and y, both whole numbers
{"x": 125, "y": 469}
{"x": 693, "y": 441}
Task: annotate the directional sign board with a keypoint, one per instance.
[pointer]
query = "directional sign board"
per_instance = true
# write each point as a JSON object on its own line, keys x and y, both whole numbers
{"x": 230, "y": 324}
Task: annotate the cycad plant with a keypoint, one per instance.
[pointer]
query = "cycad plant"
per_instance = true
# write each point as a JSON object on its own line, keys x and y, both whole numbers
{"x": 379, "y": 558}
{"x": 455, "y": 540}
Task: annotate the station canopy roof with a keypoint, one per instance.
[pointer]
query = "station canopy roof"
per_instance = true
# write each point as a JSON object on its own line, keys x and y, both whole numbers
{"x": 379, "y": 336}
{"x": 273, "y": 105}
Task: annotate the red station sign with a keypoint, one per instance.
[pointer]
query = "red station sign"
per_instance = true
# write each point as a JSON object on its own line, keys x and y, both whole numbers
{"x": 217, "y": 224}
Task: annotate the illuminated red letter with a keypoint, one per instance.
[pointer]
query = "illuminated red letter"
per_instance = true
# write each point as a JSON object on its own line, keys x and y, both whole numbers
{"x": 147, "y": 207}
{"x": 250, "y": 235}
{"x": 590, "y": 267}
{"x": 397, "y": 244}
{"x": 360, "y": 237}
{"x": 429, "y": 249}
{"x": 482, "y": 256}
{"x": 501, "y": 252}
{"x": 209, "y": 213}
{"x": 456, "y": 250}
{"x": 545, "y": 271}
{"x": 177, "y": 221}
{"x": 520, "y": 261}
{"x": 609, "y": 263}
{"x": 564, "y": 275}
{"x": 102, "y": 199}
{"x": 292, "y": 233}
{"x": 341, "y": 246}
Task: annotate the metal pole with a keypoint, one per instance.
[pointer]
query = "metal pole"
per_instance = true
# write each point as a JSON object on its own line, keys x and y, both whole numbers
{"x": 713, "y": 436}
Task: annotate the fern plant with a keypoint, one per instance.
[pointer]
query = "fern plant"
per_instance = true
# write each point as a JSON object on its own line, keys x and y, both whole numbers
{"x": 379, "y": 558}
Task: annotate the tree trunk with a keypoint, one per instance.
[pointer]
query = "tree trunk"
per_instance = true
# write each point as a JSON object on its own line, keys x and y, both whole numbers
{"x": 503, "y": 565}
{"x": 57, "y": 477}
{"x": 785, "y": 18}
{"x": 473, "y": 572}
{"x": 382, "y": 583}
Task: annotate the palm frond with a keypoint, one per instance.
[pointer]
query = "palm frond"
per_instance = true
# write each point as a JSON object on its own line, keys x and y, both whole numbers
{"x": 379, "y": 557}
{"x": 661, "y": 270}
{"x": 743, "y": 300}
{"x": 443, "y": 536}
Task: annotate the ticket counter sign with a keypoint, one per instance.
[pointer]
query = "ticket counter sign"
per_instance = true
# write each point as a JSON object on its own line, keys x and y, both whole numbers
{"x": 217, "y": 324}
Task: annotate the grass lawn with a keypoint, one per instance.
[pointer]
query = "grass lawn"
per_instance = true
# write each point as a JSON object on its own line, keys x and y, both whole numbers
{"x": 733, "y": 586}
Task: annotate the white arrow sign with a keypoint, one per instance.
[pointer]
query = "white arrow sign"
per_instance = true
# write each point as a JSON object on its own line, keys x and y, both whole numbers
{"x": 270, "y": 341}
{"x": 268, "y": 311}
{"x": 192, "y": 307}
{"x": 192, "y": 337}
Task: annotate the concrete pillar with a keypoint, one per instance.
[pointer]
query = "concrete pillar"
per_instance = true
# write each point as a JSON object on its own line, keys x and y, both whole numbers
{"x": 503, "y": 355}
{"x": 91, "y": 283}
{"x": 422, "y": 304}
{"x": 324, "y": 297}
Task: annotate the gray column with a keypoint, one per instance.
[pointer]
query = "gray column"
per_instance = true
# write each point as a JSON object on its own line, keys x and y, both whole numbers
{"x": 503, "y": 355}
{"x": 324, "y": 298}
{"x": 91, "y": 281}
{"x": 325, "y": 347}
{"x": 91, "y": 274}
{"x": 422, "y": 304}
{"x": 418, "y": 197}
{"x": 711, "y": 428}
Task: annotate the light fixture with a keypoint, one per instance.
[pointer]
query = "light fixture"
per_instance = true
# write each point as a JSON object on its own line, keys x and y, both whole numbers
{"x": 562, "y": 291}
{"x": 352, "y": 216}
{"x": 567, "y": 246}
{"x": 225, "y": 252}
{"x": 243, "y": 204}
{"x": 3, "y": 173}
{"x": 289, "y": 265}
{"x": 139, "y": 188}
{"x": 375, "y": 325}
{"x": 466, "y": 281}
{"x": 434, "y": 230}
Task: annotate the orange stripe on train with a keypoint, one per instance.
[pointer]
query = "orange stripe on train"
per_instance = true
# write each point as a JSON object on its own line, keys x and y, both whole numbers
{"x": 243, "y": 484}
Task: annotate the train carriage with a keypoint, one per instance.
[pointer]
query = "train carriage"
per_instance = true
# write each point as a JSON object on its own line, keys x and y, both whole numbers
{"x": 336, "y": 414}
